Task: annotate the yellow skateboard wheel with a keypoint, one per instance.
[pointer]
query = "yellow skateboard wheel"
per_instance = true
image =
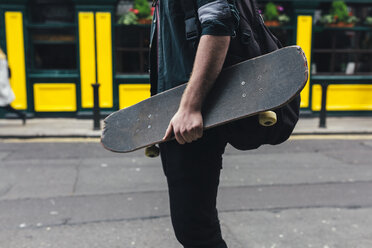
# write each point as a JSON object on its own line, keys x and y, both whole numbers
{"x": 152, "y": 151}
{"x": 267, "y": 118}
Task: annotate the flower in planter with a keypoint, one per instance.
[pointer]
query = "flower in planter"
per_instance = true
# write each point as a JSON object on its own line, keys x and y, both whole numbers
{"x": 140, "y": 13}
{"x": 368, "y": 20}
{"x": 135, "y": 11}
{"x": 280, "y": 8}
{"x": 143, "y": 7}
{"x": 339, "y": 14}
{"x": 274, "y": 14}
{"x": 129, "y": 18}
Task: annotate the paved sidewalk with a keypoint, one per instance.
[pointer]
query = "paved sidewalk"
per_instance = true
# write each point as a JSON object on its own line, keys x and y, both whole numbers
{"x": 335, "y": 125}
{"x": 73, "y": 193}
{"x": 71, "y": 127}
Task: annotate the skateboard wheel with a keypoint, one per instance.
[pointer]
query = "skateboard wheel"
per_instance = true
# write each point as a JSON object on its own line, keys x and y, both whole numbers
{"x": 267, "y": 118}
{"x": 152, "y": 151}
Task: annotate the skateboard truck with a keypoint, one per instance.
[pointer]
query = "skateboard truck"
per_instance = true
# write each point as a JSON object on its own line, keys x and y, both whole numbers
{"x": 266, "y": 119}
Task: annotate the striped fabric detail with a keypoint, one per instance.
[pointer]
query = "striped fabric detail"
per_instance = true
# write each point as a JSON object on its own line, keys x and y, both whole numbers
{"x": 216, "y": 10}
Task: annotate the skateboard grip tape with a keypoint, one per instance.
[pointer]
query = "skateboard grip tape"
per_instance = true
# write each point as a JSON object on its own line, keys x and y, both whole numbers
{"x": 267, "y": 118}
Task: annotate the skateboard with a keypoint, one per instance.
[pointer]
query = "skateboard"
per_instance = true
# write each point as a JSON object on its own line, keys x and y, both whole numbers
{"x": 249, "y": 88}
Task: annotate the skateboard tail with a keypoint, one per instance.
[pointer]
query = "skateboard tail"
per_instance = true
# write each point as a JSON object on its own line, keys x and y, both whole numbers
{"x": 134, "y": 122}
{"x": 302, "y": 53}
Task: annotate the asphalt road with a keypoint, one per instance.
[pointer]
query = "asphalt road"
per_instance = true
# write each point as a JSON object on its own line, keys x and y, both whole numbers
{"x": 304, "y": 193}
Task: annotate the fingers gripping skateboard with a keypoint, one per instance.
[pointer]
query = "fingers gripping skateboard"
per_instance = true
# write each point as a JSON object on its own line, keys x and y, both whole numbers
{"x": 265, "y": 119}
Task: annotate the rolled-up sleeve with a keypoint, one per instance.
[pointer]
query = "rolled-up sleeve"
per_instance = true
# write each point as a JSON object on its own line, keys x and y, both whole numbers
{"x": 218, "y": 17}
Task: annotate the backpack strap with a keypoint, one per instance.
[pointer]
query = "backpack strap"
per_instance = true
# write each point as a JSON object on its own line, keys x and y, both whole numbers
{"x": 255, "y": 10}
{"x": 192, "y": 27}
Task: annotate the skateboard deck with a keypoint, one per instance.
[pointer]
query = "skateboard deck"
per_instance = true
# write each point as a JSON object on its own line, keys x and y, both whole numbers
{"x": 242, "y": 90}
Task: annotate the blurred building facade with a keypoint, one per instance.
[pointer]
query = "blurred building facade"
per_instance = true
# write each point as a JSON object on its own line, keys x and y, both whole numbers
{"x": 58, "y": 48}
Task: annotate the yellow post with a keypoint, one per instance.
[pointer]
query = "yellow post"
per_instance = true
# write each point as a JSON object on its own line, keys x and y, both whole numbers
{"x": 87, "y": 58}
{"x": 304, "y": 36}
{"x": 16, "y": 57}
{"x": 104, "y": 58}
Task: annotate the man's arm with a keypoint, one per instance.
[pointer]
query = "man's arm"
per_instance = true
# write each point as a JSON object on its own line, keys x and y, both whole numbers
{"x": 187, "y": 123}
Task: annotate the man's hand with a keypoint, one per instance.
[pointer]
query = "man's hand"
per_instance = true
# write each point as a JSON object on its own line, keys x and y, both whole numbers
{"x": 186, "y": 125}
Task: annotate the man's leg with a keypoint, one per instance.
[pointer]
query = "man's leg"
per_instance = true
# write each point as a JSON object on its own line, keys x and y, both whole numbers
{"x": 21, "y": 115}
{"x": 193, "y": 172}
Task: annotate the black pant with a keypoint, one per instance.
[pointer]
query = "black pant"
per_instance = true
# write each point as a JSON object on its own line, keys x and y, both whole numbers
{"x": 9, "y": 108}
{"x": 193, "y": 172}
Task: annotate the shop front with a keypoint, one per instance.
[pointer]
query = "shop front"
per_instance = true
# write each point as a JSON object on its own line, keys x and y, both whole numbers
{"x": 57, "y": 49}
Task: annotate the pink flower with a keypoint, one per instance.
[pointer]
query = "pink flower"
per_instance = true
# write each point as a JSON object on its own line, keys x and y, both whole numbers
{"x": 280, "y": 8}
{"x": 135, "y": 11}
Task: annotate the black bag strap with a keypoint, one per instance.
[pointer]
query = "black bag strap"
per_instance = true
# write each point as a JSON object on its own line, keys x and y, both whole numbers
{"x": 192, "y": 27}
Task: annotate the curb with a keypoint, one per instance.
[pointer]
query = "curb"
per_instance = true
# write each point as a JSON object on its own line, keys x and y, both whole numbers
{"x": 41, "y": 136}
{"x": 330, "y": 133}
{"x": 86, "y": 136}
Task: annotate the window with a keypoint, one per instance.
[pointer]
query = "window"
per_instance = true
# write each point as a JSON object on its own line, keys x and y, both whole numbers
{"x": 343, "y": 50}
{"x": 52, "y": 31}
{"x": 132, "y": 48}
{"x": 53, "y": 49}
{"x": 131, "y": 42}
{"x": 52, "y": 11}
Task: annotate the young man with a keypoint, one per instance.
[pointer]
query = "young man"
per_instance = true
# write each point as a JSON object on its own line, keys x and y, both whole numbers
{"x": 192, "y": 161}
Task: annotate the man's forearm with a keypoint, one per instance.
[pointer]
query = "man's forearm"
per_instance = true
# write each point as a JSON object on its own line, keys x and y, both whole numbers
{"x": 187, "y": 123}
{"x": 208, "y": 64}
